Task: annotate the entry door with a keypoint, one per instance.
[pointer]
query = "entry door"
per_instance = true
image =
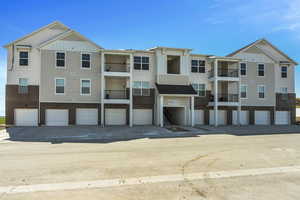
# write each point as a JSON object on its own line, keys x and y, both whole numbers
{"x": 115, "y": 116}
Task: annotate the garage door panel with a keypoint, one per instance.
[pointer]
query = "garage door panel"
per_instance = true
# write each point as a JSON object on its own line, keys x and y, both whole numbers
{"x": 199, "y": 117}
{"x": 262, "y": 117}
{"x": 142, "y": 116}
{"x": 244, "y": 117}
{"x": 222, "y": 117}
{"x": 87, "y": 116}
{"x": 115, "y": 116}
{"x": 282, "y": 117}
{"x": 26, "y": 117}
{"x": 57, "y": 117}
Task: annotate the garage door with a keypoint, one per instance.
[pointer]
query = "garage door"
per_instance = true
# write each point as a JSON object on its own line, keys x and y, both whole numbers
{"x": 142, "y": 116}
{"x": 57, "y": 117}
{"x": 222, "y": 118}
{"x": 87, "y": 116}
{"x": 115, "y": 116}
{"x": 244, "y": 117}
{"x": 199, "y": 117}
{"x": 26, "y": 117}
{"x": 282, "y": 117}
{"x": 262, "y": 117}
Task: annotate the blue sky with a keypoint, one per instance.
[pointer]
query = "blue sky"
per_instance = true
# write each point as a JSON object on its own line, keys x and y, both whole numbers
{"x": 207, "y": 26}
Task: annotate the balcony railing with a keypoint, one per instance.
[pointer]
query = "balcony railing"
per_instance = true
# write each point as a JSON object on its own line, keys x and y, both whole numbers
{"x": 225, "y": 97}
{"x": 117, "y": 67}
{"x": 116, "y": 94}
{"x": 227, "y": 72}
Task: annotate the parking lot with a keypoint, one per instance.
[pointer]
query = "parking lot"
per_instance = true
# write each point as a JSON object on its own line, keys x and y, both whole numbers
{"x": 201, "y": 163}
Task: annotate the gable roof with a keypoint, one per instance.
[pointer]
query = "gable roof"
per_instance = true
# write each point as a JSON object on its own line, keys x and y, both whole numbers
{"x": 55, "y": 23}
{"x": 267, "y": 42}
{"x": 66, "y": 34}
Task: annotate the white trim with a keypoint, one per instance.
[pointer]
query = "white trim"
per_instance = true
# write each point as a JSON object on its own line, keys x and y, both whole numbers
{"x": 85, "y": 79}
{"x": 64, "y": 85}
{"x": 60, "y": 67}
{"x": 142, "y": 63}
{"x": 257, "y": 91}
{"x": 281, "y": 71}
{"x": 84, "y": 68}
{"x": 246, "y": 91}
{"x": 198, "y": 66}
{"x": 257, "y": 70}
{"x": 18, "y": 56}
{"x": 246, "y": 69}
{"x": 199, "y": 90}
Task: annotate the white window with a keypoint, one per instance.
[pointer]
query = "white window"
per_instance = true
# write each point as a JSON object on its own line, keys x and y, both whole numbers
{"x": 198, "y": 66}
{"x": 243, "y": 69}
{"x": 23, "y": 86}
{"x": 85, "y": 87}
{"x": 261, "y": 91}
{"x": 60, "y": 59}
{"x": 244, "y": 89}
{"x": 261, "y": 70}
{"x": 59, "y": 86}
{"x": 141, "y": 62}
{"x": 23, "y": 58}
{"x": 85, "y": 61}
{"x": 200, "y": 89}
{"x": 283, "y": 90}
{"x": 283, "y": 71}
{"x": 141, "y": 88}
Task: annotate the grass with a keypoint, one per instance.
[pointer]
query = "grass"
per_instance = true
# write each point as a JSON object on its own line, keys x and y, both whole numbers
{"x": 2, "y": 120}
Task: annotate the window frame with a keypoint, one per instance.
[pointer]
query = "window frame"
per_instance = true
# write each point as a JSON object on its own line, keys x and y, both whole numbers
{"x": 281, "y": 72}
{"x": 284, "y": 92}
{"x": 81, "y": 61}
{"x": 246, "y": 86}
{"x": 258, "y": 86}
{"x": 198, "y": 89}
{"x": 141, "y": 63}
{"x": 23, "y": 51}
{"x": 198, "y": 66}
{"x": 63, "y": 78}
{"x": 141, "y": 88}
{"x": 90, "y": 86}
{"x": 246, "y": 69}
{"x": 23, "y": 86}
{"x": 257, "y": 73}
{"x": 65, "y": 64}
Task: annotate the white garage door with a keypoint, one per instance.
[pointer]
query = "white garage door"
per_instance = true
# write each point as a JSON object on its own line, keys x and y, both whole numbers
{"x": 142, "y": 116}
{"x": 222, "y": 118}
{"x": 282, "y": 117}
{"x": 244, "y": 117}
{"x": 199, "y": 117}
{"x": 262, "y": 117}
{"x": 115, "y": 116}
{"x": 87, "y": 116}
{"x": 57, "y": 117}
{"x": 26, "y": 117}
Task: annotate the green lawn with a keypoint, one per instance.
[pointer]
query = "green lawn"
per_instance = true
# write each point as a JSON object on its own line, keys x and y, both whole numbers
{"x": 2, "y": 120}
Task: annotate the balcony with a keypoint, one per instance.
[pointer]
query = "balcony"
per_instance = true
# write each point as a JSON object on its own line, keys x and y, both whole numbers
{"x": 227, "y": 72}
{"x": 225, "y": 99}
{"x": 117, "y": 67}
{"x": 116, "y": 96}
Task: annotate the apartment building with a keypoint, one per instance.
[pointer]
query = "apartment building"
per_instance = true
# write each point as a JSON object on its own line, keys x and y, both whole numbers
{"x": 58, "y": 77}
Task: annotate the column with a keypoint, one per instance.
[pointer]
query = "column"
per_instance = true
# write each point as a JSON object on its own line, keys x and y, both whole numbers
{"x": 193, "y": 110}
{"x": 216, "y": 92}
{"x": 239, "y": 103}
{"x": 130, "y": 93}
{"x": 161, "y": 111}
{"x": 102, "y": 66}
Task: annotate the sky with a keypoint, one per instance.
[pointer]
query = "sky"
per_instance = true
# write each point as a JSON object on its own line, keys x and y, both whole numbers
{"x": 216, "y": 27}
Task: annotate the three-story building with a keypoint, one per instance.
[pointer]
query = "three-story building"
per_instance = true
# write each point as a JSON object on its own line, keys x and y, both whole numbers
{"x": 58, "y": 77}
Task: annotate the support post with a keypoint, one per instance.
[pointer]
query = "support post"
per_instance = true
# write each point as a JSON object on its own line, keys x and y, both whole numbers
{"x": 102, "y": 62}
{"x": 239, "y": 103}
{"x": 193, "y": 110}
{"x": 161, "y": 111}
{"x": 216, "y": 92}
{"x": 130, "y": 92}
